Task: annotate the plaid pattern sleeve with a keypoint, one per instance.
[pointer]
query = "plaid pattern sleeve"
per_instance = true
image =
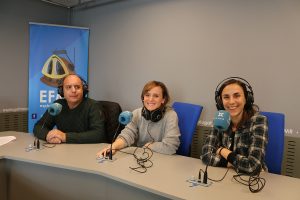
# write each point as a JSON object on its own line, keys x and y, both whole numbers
{"x": 250, "y": 142}
{"x": 211, "y": 145}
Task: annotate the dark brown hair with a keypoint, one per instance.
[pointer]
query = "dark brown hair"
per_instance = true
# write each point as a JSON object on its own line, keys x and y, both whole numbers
{"x": 249, "y": 109}
{"x": 152, "y": 84}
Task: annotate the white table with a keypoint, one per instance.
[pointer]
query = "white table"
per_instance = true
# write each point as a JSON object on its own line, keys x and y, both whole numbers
{"x": 70, "y": 171}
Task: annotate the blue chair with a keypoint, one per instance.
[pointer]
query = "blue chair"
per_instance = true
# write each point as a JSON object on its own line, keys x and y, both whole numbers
{"x": 188, "y": 116}
{"x": 275, "y": 147}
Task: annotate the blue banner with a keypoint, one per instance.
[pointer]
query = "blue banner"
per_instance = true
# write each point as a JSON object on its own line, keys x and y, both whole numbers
{"x": 55, "y": 51}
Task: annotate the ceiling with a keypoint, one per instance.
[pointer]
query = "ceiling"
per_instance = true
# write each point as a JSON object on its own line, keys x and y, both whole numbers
{"x": 80, "y": 3}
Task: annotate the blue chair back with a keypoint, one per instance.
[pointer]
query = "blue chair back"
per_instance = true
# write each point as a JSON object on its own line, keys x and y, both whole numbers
{"x": 188, "y": 116}
{"x": 275, "y": 147}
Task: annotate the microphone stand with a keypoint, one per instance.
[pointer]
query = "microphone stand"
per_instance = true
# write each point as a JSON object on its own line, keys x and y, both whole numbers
{"x": 37, "y": 141}
{"x": 219, "y": 124}
{"x": 124, "y": 118}
{"x": 113, "y": 139}
{"x": 53, "y": 110}
{"x": 205, "y": 175}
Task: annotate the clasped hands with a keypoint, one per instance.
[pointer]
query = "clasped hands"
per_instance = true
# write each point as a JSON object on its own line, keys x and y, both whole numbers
{"x": 56, "y": 136}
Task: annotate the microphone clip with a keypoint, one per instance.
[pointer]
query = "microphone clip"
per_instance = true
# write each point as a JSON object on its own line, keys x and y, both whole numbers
{"x": 196, "y": 181}
{"x": 205, "y": 181}
{"x": 35, "y": 146}
{"x": 102, "y": 159}
{"x": 36, "y": 143}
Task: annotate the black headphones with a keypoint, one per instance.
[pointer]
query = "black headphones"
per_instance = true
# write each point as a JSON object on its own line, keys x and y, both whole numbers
{"x": 154, "y": 115}
{"x": 248, "y": 95}
{"x": 85, "y": 86}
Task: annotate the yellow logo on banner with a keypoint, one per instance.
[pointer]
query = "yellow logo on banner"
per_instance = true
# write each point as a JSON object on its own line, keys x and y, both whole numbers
{"x": 54, "y": 69}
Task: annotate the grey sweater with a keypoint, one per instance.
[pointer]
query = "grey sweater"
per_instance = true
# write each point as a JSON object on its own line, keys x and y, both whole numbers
{"x": 165, "y": 132}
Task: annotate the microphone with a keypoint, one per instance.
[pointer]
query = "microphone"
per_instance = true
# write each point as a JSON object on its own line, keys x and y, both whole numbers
{"x": 124, "y": 118}
{"x": 221, "y": 120}
{"x": 54, "y": 109}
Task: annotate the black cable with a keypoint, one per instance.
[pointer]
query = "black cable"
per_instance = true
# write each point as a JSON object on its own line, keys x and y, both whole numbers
{"x": 48, "y": 145}
{"x": 152, "y": 139}
{"x": 214, "y": 180}
{"x": 255, "y": 183}
{"x": 144, "y": 161}
{"x": 219, "y": 180}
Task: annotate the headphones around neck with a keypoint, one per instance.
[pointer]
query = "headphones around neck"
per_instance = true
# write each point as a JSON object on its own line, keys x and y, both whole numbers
{"x": 248, "y": 93}
{"x": 154, "y": 115}
{"x": 85, "y": 87}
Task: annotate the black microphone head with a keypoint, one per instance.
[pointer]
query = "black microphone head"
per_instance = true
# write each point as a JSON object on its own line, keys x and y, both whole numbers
{"x": 54, "y": 109}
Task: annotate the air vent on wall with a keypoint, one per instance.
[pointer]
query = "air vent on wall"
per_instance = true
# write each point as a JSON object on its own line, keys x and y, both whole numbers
{"x": 291, "y": 157}
{"x": 198, "y": 140}
{"x": 14, "y": 121}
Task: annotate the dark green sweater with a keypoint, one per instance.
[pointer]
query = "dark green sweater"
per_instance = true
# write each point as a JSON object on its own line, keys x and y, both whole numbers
{"x": 83, "y": 124}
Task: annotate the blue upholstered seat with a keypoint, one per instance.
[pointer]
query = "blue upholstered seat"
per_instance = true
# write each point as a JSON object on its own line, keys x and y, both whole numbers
{"x": 275, "y": 147}
{"x": 188, "y": 116}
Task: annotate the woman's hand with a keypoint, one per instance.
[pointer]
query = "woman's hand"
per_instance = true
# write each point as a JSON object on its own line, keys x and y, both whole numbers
{"x": 147, "y": 145}
{"x": 105, "y": 152}
{"x": 117, "y": 145}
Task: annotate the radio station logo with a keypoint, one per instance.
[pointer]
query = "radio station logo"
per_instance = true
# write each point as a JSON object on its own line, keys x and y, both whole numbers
{"x": 56, "y": 67}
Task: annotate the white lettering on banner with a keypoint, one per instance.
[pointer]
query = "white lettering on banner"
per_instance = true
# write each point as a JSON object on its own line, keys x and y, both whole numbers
{"x": 51, "y": 95}
{"x": 44, "y": 105}
{"x": 48, "y": 96}
{"x": 42, "y": 96}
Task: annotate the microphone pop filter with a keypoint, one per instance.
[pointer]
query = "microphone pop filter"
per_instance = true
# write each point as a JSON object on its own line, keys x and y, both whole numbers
{"x": 54, "y": 109}
{"x": 221, "y": 120}
{"x": 125, "y": 117}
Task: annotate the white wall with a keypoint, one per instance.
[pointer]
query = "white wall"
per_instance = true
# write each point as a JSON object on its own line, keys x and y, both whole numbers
{"x": 193, "y": 45}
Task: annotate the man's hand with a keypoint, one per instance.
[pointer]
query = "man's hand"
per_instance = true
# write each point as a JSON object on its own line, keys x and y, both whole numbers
{"x": 56, "y": 136}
